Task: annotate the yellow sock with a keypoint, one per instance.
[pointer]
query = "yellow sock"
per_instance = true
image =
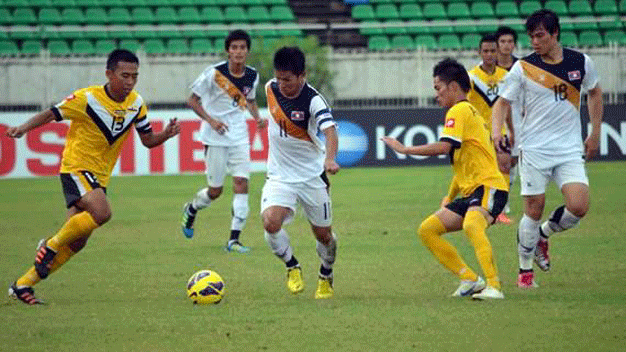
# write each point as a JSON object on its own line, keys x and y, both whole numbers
{"x": 31, "y": 278}
{"x": 430, "y": 232}
{"x": 474, "y": 226}
{"x": 79, "y": 225}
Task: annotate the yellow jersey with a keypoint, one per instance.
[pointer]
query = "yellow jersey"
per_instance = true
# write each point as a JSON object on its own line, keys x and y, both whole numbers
{"x": 485, "y": 90}
{"x": 473, "y": 156}
{"x": 99, "y": 126}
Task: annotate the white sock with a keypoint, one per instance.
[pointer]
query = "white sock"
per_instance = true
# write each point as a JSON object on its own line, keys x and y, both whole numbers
{"x": 202, "y": 199}
{"x": 327, "y": 253}
{"x": 527, "y": 236}
{"x": 240, "y": 211}
{"x": 560, "y": 220}
{"x": 279, "y": 243}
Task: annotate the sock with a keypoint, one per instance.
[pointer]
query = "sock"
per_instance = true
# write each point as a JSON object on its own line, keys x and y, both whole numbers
{"x": 240, "y": 212}
{"x": 560, "y": 220}
{"x": 279, "y": 243}
{"x": 31, "y": 278}
{"x": 77, "y": 226}
{"x": 512, "y": 176}
{"x": 430, "y": 232}
{"x": 527, "y": 238}
{"x": 201, "y": 200}
{"x": 327, "y": 254}
{"x": 234, "y": 236}
{"x": 474, "y": 226}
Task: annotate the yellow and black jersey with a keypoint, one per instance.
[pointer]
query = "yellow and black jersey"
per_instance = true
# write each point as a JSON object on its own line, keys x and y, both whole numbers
{"x": 99, "y": 126}
{"x": 473, "y": 156}
{"x": 485, "y": 90}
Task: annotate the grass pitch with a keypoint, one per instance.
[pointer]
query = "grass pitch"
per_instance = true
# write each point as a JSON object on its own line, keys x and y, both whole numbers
{"x": 126, "y": 290}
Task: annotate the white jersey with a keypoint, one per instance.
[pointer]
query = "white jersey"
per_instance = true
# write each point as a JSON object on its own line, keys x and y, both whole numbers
{"x": 551, "y": 125}
{"x": 224, "y": 97}
{"x": 296, "y": 152}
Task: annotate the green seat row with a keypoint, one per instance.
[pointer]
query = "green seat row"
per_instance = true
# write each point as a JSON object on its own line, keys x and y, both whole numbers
{"x": 133, "y": 3}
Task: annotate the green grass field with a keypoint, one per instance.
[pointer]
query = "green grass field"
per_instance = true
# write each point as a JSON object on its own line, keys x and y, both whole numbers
{"x": 126, "y": 290}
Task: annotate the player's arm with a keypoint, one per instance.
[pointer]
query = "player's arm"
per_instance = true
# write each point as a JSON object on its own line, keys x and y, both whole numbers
{"x": 40, "y": 119}
{"x": 151, "y": 139}
{"x": 431, "y": 149}
{"x": 508, "y": 120}
{"x": 332, "y": 144}
{"x": 195, "y": 103}
{"x": 596, "y": 111}
{"x": 499, "y": 113}
{"x": 254, "y": 111}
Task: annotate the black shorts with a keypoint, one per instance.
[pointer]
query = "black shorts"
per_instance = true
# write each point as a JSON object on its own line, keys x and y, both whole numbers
{"x": 491, "y": 199}
{"x": 77, "y": 184}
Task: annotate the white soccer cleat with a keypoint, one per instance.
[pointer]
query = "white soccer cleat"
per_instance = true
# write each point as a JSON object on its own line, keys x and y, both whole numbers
{"x": 489, "y": 292}
{"x": 468, "y": 287}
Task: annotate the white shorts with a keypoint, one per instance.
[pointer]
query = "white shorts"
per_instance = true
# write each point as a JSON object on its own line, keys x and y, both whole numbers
{"x": 534, "y": 180}
{"x": 220, "y": 160}
{"x": 314, "y": 200}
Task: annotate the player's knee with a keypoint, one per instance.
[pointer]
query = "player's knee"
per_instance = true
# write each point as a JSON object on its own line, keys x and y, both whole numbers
{"x": 102, "y": 215}
{"x": 579, "y": 210}
{"x": 430, "y": 227}
{"x": 270, "y": 224}
{"x": 214, "y": 193}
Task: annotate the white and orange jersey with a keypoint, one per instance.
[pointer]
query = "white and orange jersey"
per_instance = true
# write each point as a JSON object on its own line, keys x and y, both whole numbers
{"x": 224, "y": 97}
{"x": 551, "y": 125}
{"x": 99, "y": 126}
{"x": 296, "y": 153}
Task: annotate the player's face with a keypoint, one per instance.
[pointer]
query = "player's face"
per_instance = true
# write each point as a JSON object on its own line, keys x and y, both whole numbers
{"x": 542, "y": 41}
{"x": 123, "y": 79}
{"x": 488, "y": 52}
{"x": 289, "y": 83}
{"x": 444, "y": 95}
{"x": 506, "y": 44}
{"x": 238, "y": 51}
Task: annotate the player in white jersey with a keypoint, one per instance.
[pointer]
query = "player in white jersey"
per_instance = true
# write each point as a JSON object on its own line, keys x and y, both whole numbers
{"x": 552, "y": 81}
{"x": 296, "y": 168}
{"x": 220, "y": 97}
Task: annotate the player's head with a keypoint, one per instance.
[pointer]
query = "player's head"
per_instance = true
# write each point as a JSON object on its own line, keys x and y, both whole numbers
{"x": 488, "y": 49}
{"x": 507, "y": 40}
{"x": 122, "y": 71}
{"x": 451, "y": 82}
{"x": 289, "y": 69}
{"x": 544, "y": 30}
{"x": 237, "y": 46}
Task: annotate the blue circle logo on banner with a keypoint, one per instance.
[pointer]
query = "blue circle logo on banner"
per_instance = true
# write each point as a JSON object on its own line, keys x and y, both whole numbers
{"x": 353, "y": 143}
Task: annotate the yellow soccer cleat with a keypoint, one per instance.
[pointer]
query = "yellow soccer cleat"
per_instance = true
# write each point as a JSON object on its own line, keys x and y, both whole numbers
{"x": 324, "y": 288}
{"x": 294, "y": 280}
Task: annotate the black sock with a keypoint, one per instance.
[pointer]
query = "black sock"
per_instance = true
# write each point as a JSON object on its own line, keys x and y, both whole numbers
{"x": 325, "y": 272}
{"x": 234, "y": 235}
{"x": 191, "y": 210}
{"x": 522, "y": 271}
{"x": 292, "y": 263}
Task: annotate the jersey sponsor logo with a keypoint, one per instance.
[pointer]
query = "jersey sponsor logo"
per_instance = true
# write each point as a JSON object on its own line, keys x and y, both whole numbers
{"x": 450, "y": 123}
{"x": 297, "y": 115}
{"x": 574, "y": 75}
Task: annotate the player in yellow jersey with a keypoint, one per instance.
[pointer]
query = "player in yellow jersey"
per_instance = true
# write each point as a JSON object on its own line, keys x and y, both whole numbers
{"x": 101, "y": 118}
{"x": 476, "y": 177}
{"x": 486, "y": 79}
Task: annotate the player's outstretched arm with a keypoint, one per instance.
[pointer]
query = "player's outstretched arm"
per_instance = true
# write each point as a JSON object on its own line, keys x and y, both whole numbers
{"x": 500, "y": 110}
{"x": 40, "y": 119}
{"x": 151, "y": 139}
{"x": 332, "y": 145}
{"x": 431, "y": 149}
{"x": 596, "y": 112}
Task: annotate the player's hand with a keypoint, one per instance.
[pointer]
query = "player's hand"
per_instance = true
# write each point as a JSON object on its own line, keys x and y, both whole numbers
{"x": 499, "y": 142}
{"x": 15, "y": 132}
{"x": 591, "y": 146}
{"x": 331, "y": 166}
{"x": 261, "y": 123}
{"x": 172, "y": 128}
{"x": 394, "y": 144}
{"x": 218, "y": 126}
{"x": 445, "y": 201}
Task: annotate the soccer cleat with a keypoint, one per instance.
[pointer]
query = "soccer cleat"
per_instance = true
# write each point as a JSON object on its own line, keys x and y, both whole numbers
{"x": 187, "y": 221}
{"x": 236, "y": 246}
{"x": 489, "y": 292}
{"x": 542, "y": 258}
{"x": 24, "y": 294}
{"x": 324, "y": 288}
{"x": 468, "y": 287}
{"x": 526, "y": 280}
{"x": 294, "y": 280}
{"x": 503, "y": 219}
{"x": 43, "y": 259}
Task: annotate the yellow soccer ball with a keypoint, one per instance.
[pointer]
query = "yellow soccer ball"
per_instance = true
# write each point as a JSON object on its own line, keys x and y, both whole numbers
{"x": 205, "y": 287}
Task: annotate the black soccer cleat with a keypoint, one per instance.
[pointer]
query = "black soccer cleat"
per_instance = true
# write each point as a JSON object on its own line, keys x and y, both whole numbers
{"x": 43, "y": 259}
{"x": 24, "y": 294}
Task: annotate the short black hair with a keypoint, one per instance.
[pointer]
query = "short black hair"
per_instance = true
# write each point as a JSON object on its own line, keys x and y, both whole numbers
{"x": 289, "y": 59}
{"x": 449, "y": 70}
{"x": 237, "y": 34}
{"x": 506, "y": 30}
{"x": 488, "y": 38}
{"x": 118, "y": 55}
{"x": 546, "y": 18}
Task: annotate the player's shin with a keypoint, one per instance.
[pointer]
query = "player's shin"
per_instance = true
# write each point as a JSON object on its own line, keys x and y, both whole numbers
{"x": 474, "y": 226}
{"x": 281, "y": 247}
{"x": 527, "y": 238}
{"x": 327, "y": 253}
{"x": 561, "y": 219}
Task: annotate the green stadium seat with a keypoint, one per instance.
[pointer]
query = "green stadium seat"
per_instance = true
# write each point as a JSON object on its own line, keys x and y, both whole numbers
{"x": 39, "y": 3}
{"x": 569, "y": 39}
{"x": 142, "y": 34}
{"x": 8, "y": 48}
{"x": 470, "y": 41}
{"x": 49, "y": 16}
{"x": 281, "y": 14}
{"x": 615, "y": 36}
{"x": 449, "y": 41}
{"x": 363, "y": 12}
{"x": 523, "y": 41}
{"x": 622, "y": 6}
{"x": 24, "y": 35}
{"x": 526, "y": 8}
{"x": 24, "y": 15}
{"x": 88, "y": 3}
{"x": 481, "y": 10}
{"x": 5, "y": 16}
{"x": 580, "y": 7}
{"x": 464, "y": 29}
{"x": 64, "y": 3}
{"x": 434, "y": 11}
{"x": 589, "y": 24}
{"x": 372, "y": 30}
{"x": 142, "y": 15}
{"x": 177, "y": 46}
{"x": 96, "y": 15}
{"x": 91, "y": 34}
{"x": 410, "y": 12}
{"x": 265, "y": 33}
{"x": 378, "y": 43}
{"x": 402, "y": 42}
{"x": 565, "y": 26}
{"x": 458, "y": 10}
{"x": 119, "y": 15}
{"x": 419, "y": 29}
{"x": 49, "y": 33}
{"x": 212, "y": 15}
{"x": 200, "y": 46}
{"x": 218, "y": 44}
{"x": 394, "y": 27}
{"x": 166, "y": 15}
{"x": 442, "y": 29}
{"x": 381, "y": 1}
{"x": 611, "y": 25}
{"x": 59, "y": 47}
{"x": 189, "y": 14}
{"x": 104, "y": 46}
{"x": 113, "y": 3}
{"x": 387, "y": 12}
{"x": 31, "y": 47}
{"x": 251, "y": 2}
{"x": 16, "y": 3}
{"x": 4, "y": 35}
{"x": 72, "y": 15}
{"x": 235, "y": 14}
{"x": 258, "y": 14}
{"x": 71, "y": 35}
{"x": 154, "y": 46}
{"x": 590, "y": 38}
{"x": 179, "y": 3}
{"x": 426, "y": 41}
{"x": 130, "y": 44}
{"x": 289, "y": 32}
{"x": 225, "y": 2}
{"x": 487, "y": 28}
{"x": 276, "y": 2}
{"x": 157, "y": 3}
{"x": 605, "y": 7}
{"x": 168, "y": 34}
{"x": 136, "y": 3}
{"x": 506, "y": 9}
{"x": 83, "y": 47}
{"x": 558, "y": 6}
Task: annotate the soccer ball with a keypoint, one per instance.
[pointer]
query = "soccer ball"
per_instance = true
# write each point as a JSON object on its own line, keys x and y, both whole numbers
{"x": 205, "y": 287}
